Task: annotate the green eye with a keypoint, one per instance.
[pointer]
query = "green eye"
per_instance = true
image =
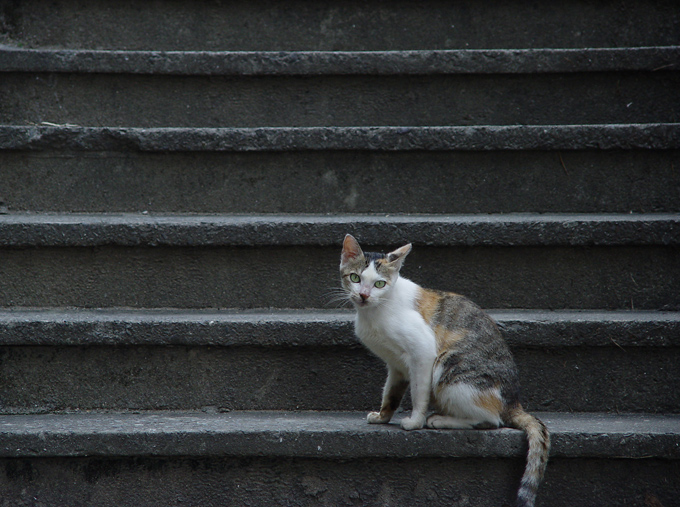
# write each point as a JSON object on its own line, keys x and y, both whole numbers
{"x": 355, "y": 278}
{"x": 380, "y": 284}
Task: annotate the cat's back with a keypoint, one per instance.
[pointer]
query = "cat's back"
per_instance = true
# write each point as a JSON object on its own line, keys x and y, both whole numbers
{"x": 469, "y": 343}
{"x": 459, "y": 322}
{"x": 452, "y": 311}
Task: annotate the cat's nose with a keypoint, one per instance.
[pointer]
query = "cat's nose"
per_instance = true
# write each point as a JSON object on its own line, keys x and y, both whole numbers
{"x": 364, "y": 296}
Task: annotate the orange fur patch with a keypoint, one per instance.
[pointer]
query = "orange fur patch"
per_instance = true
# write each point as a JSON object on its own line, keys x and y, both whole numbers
{"x": 491, "y": 402}
{"x": 427, "y": 303}
{"x": 446, "y": 338}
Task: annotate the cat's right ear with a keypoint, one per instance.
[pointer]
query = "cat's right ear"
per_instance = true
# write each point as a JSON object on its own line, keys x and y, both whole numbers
{"x": 350, "y": 250}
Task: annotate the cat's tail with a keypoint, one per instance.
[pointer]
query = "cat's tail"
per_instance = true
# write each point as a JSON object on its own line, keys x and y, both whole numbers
{"x": 537, "y": 456}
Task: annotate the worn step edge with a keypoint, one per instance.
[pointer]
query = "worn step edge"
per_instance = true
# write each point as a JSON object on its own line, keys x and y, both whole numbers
{"x": 312, "y": 63}
{"x": 327, "y": 435}
{"x": 314, "y": 328}
{"x": 658, "y": 136}
{"x": 132, "y": 229}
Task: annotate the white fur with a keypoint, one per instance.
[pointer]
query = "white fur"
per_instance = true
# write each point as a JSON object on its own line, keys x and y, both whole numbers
{"x": 459, "y": 402}
{"x": 391, "y": 327}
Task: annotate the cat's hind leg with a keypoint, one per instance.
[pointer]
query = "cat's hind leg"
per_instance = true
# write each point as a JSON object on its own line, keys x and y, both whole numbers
{"x": 448, "y": 422}
{"x": 462, "y": 406}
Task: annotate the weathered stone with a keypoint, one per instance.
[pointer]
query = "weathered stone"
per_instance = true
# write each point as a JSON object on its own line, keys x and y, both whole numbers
{"x": 643, "y": 277}
{"x": 66, "y": 360}
{"x": 263, "y": 481}
{"x": 471, "y": 138}
{"x": 330, "y": 26}
{"x": 337, "y": 182}
{"x": 324, "y": 435}
{"x": 159, "y": 101}
{"x": 316, "y": 63}
{"x": 81, "y": 230}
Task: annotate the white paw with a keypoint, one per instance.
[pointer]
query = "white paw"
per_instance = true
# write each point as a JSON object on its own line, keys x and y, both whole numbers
{"x": 434, "y": 422}
{"x": 412, "y": 423}
{"x": 375, "y": 418}
{"x": 445, "y": 422}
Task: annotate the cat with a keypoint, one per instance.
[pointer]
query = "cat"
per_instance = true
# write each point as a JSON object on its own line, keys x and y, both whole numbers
{"x": 446, "y": 347}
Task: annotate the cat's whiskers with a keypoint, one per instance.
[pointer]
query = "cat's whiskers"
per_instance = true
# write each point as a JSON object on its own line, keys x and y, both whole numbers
{"x": 337, "y": 298}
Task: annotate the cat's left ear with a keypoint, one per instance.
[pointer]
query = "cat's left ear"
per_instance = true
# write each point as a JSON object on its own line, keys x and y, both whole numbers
{"x": 396, "y": 258}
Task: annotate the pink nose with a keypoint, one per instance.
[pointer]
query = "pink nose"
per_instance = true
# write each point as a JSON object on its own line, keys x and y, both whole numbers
{"x": 364, "y": 296}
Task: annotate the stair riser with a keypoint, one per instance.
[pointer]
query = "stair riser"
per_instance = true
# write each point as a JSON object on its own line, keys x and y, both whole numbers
{"x": 138, "y": 482}
{"x": 54, "y": 379}
{"x": 168, "y": 101}
{"x": 625, "y": 277}
{"x": 342, "y": 181}
{"x": 327, "y": 25}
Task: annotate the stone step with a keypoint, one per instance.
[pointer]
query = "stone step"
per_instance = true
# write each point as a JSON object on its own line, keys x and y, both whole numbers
{"x": 551, "y": 169}
{"x": 527, "y": 261}
{"x": 260, "y": 458}
{"x": 61, "y": 360}
{"x": 286, "y": 261}
{"x": 174, "y": 230}
{"x": 329, "y": 26}
{"x": 264, "y": 89}
{"x": 642, "y": 136}
{"x": 340, "y": 63}
{"x": 166, "y": 101}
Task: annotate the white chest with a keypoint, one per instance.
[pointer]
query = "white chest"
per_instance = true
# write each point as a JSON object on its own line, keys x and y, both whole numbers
{"x": 402, "y": 341}
{"x": 383, "y": 343}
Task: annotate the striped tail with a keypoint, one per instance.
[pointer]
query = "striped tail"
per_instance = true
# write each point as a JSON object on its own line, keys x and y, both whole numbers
{"x": 537, "y": 456}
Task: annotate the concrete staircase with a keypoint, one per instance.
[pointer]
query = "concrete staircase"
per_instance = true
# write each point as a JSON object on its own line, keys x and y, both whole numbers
{"x": 175, "y": 182}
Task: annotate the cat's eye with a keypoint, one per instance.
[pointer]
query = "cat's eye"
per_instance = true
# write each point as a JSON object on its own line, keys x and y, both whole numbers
{"x": 355, "y": 278}
{"x": 380, "y": 284}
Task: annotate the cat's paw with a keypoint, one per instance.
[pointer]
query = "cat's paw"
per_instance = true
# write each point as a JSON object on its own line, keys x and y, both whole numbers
{"x": 435, "y": 422}
{"x": 445, "y": 422}
{"x": 412, "y": 423}
{"x": 376, "y": 418}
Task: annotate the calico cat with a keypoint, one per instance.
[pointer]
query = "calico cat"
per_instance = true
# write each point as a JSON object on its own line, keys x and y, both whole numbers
{"x": 448, "y": 350}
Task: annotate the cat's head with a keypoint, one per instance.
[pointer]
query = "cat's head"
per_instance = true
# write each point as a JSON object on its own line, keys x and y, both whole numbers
{"x": 368, "y": 278}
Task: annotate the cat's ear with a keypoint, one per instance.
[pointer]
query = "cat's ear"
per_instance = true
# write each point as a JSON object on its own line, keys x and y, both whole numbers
{"x": 397, "y": 257}
{"x": 350, "y": 250}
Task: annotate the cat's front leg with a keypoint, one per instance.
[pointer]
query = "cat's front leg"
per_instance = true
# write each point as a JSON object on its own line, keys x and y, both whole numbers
{"x": 393, "y": 392}
{"x": 421, "y": 385}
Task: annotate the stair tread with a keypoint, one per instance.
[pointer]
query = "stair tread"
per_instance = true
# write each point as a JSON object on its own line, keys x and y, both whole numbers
{"x": 379, "y": 138}
{"x": 250, "y": 63}
{"x": 323, "y": 435}
{"x": 140, "y": 229}
{"x": 314, "y": 328}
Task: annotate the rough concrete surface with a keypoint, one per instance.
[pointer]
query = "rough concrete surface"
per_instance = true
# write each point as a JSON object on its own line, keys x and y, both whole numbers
{"x": 442, "y": 138}
{"x": 326, "y": 435}
{"x": 61, "y": 361}
{"x": 88, "y": 230}
{"x": 325, "y": 459}
{"x": 39, "y": 379}
{"x": 158, "y": 101}
{"x": 314, "y": 63}
{"x": 314, "y": 328}
{"x": 553, "y": 277}
{"x": 350, "y": 181}
{"x": 220, "y": 482}
{"x": 331, "y": 26}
